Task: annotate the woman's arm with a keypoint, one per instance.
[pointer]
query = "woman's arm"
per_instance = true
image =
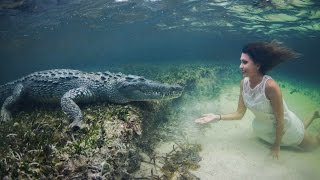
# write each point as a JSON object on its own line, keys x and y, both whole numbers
{"x": 273, "y": 93}
{"x": 241, "y": 110}
{"x": 231, "y": 116}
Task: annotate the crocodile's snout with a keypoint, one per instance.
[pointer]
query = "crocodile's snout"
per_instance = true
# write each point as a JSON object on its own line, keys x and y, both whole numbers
{"x": 150, "y": 90}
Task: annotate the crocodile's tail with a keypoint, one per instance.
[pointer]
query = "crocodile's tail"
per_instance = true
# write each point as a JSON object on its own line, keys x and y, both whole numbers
{"x": 5, "y": 91}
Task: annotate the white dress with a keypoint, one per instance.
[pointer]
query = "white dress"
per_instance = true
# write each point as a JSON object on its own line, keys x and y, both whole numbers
{"x": 264, "y": 123}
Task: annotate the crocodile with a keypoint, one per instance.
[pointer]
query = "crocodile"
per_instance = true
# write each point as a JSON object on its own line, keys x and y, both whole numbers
{"x": 71, "y": 88}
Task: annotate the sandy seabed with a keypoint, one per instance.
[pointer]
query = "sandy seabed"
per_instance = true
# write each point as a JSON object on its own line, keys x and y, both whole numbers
{"x": 231, "y": 151}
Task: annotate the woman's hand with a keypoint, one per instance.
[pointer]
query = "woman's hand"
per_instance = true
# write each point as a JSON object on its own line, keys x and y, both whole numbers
{"x": 275, "y": 149}
{"x": 208, "y": 118}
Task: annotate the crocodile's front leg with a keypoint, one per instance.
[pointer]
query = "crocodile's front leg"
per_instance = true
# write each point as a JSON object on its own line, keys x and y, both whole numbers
{"x": 10, "y": 102}
{"x": 69, "y": 106}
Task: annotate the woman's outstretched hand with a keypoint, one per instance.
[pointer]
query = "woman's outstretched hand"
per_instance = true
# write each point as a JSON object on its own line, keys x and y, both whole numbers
{"x": 205, "y": 118}
{"x": 275, "y": 149}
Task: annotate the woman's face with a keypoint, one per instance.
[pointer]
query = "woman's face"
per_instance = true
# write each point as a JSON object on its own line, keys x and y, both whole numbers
{"x": 247, "y": 66}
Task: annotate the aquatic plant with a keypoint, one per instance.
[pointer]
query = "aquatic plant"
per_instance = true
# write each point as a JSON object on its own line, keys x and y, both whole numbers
{"x": 176, "y": 164}
{"x": 38, "y": 144}
{"x": 180, "y": 160}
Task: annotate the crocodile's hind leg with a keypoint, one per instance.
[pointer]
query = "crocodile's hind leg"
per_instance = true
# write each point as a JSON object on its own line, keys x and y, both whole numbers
{"x": 69, "y": 106}
{"x": 10, "y": 102}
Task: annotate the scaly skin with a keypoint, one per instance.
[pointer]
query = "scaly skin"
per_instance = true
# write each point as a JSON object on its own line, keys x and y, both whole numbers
{"x": 70, "y": 87}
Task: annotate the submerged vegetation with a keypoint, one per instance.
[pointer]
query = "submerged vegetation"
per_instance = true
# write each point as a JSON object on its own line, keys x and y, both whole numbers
{"x": 178, "y": 162}
{"x": 116, "y": 139}
{"x": 38, "y": 144}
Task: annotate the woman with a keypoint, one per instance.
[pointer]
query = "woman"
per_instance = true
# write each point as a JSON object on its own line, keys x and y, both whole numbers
{"x": 273, "y": 122}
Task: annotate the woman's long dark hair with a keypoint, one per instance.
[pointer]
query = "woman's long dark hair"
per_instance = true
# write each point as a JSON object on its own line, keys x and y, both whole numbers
{"x": 268, "y": 54}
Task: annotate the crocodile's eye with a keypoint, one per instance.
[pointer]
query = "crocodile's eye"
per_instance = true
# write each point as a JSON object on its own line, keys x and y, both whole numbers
{"x": 129, "y": 78}
{"x": 141, "y": 79}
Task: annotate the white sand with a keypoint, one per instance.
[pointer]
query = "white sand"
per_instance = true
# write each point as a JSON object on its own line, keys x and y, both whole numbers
{"x": 231, "y": 151}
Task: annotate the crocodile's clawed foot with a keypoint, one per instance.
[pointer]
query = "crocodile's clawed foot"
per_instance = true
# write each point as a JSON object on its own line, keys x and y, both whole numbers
{"x": 77, "y": 126}
{"x": 5, "y": 115}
